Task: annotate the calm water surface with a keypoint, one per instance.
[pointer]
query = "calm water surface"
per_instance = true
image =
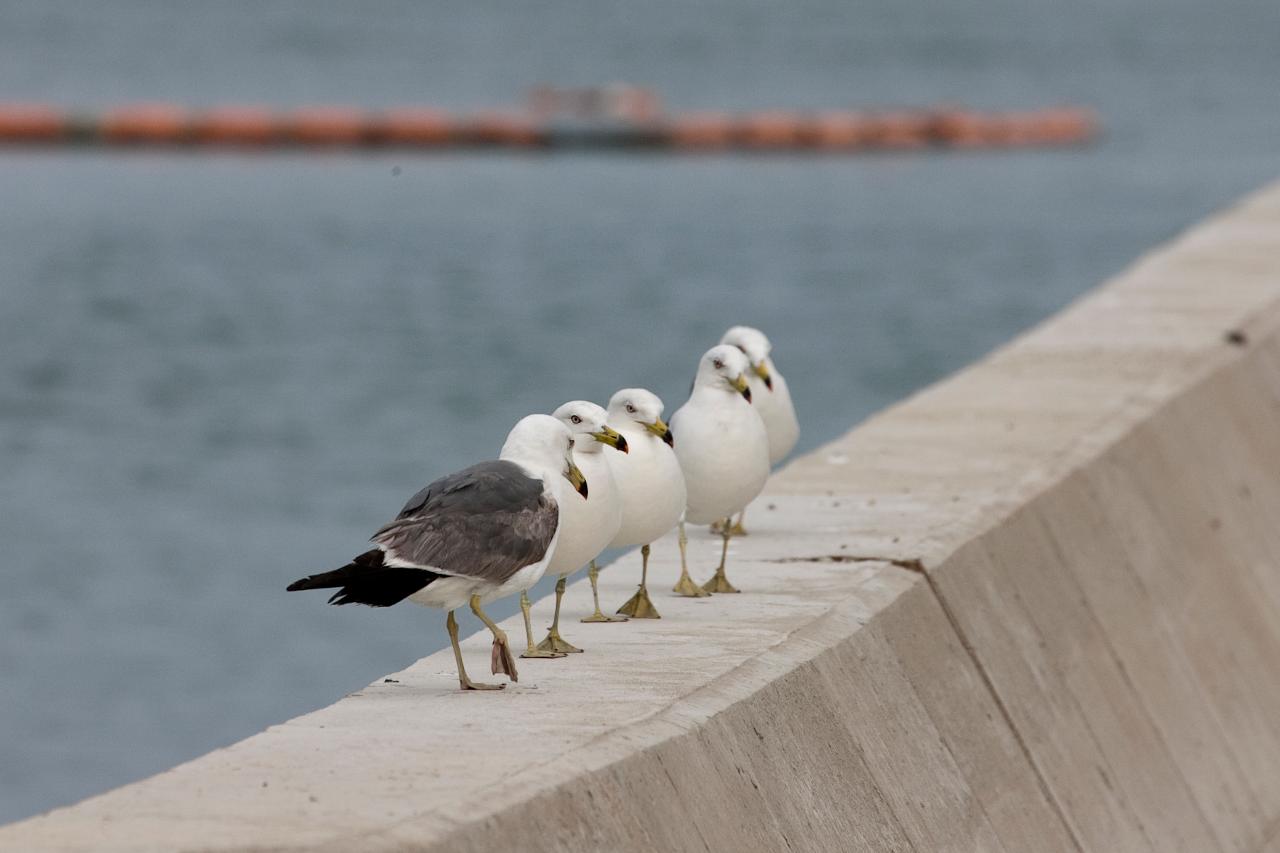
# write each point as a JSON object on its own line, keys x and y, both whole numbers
{"x": 218, "y": 373}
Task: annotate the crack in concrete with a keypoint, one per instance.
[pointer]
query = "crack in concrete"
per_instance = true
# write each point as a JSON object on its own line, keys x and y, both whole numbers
{"x": 911, "y": 564}
{"x": 915, "y": 564}
{"x": 1041, "y": 778}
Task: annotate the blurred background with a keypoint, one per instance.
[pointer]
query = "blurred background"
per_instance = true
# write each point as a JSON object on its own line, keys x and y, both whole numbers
{"x": 221, "y": 371}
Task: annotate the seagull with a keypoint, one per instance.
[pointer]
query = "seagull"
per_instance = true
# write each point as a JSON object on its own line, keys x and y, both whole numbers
{"x": 650, "y": 486}
{"x": 770, "y": 396}
{"x": 723, "y": 450}
{"x": 471, "y": 537}
{"x": 586, "y": 527}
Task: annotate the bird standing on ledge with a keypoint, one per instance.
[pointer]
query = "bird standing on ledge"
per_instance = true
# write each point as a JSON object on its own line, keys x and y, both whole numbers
{"x": 723, "y": 451}
{"x": 586, "y": 527}
{"x": 770, "y": 396}
{"x": 650, "y": 486}
{"x": 470, "y": 537}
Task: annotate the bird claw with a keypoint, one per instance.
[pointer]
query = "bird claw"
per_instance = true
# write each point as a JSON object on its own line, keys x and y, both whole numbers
{"x": 501, "y": 660}
{"x": 719, "y": 583}
{"x": 640, "y": 606}
{"x": 557, "y": 644}
{"x": 686, "y": 587}
{"x": 735, "y": 529}
{"x": 602, "y": 617}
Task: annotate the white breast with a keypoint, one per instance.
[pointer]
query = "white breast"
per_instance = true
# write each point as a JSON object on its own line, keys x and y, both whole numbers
{"x": 778, "y": 413}
{"x": 724, "y": 453}
{"x": 650, "y": 487}
{"x": 587, "y": 526}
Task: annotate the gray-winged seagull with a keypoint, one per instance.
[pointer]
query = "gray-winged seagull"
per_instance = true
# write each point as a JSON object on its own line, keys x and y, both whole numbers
{"x": 470, "y": 537}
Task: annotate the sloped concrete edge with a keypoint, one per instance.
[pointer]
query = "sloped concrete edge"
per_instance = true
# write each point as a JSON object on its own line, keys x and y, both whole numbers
{"x": 1128, "y": 619}
{"x": 853, "y": 735}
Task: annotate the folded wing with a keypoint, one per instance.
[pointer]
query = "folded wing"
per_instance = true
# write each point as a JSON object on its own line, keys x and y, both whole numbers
{"x": 484, "y": 522}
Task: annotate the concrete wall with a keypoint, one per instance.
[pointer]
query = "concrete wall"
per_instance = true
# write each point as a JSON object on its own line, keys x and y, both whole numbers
{"x": 1035, "y": 607}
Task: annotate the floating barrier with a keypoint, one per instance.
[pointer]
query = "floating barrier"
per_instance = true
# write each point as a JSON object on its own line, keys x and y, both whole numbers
{"x": 700, "y": 130}
{"x": 143, "y": 123}
{"x": 771, "y": 130}
{"x": 326, "y": 126}
{"x": 252, "y": 126}
{"x": 30, "y": 123}
{"x": 417, "y": 127}
{"x": 413, "y": 128}
{"x": 501, "y": 129}
{"x": 839, "y": 130}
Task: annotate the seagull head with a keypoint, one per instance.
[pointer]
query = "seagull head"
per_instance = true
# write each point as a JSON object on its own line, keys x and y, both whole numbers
{"x": 755, "y": 346}
{"x": 587, "y": 422}
{"x": 643, "y": 407}
{"x": 543, "y": 443}
{"x": 724, "y": 366}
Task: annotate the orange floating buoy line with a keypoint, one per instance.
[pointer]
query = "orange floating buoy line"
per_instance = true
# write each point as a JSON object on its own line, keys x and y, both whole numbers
{"x": 618, "y": 117}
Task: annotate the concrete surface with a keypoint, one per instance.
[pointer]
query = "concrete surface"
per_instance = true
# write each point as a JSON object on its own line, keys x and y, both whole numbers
{"x": 1035, "y": 607}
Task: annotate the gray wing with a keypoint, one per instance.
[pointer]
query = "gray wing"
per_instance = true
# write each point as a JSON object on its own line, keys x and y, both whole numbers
{"x": 485, "y": 522}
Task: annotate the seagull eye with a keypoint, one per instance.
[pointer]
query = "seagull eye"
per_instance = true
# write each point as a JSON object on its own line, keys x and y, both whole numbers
{"x": 718, "y": 364}
{"x": 576, "y": 419}
{"x": 631, "y": 408}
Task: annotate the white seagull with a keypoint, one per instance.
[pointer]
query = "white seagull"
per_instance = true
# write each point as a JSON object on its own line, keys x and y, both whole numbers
{"x": 650, "y": 485}
{"x": 586, "y": 527}
{"x": 723, "y": 450}
{"x": 471, "y": 537}
{"x": 770, "y": 396}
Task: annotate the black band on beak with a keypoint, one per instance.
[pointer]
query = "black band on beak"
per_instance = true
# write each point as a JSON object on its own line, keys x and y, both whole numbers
{"x": 575, "y": 478}
{"x": 768, "y": 382}
{"x": 611, "y": 437}
{"x": 669, "y": 438}
{"x": 746, "y": 393}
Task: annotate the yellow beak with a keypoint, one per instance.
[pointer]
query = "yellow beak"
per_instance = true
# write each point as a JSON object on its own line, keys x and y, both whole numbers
{"x": 740, "y": 385}
{"x": 662, "y": 431}
{"x": 763, "y": 372}
{"x": 611, "y": 437}
{"x": 575, "y": 478}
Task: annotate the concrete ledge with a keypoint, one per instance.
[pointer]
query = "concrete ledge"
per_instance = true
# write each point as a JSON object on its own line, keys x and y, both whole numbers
{"x": 1035, "y": 607}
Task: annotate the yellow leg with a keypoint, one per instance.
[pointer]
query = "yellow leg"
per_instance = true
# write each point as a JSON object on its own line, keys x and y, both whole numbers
{"x": 639, "y": 605}
{"x": 720, "y": 583}
{"x": 554, "y": 642}
{"x": 500, "y": 659}
{"x": 531, "y": 649}
{"x": 466, "y": 683}
{"x": 686, "y": 586}
{"x": 594, "y": 573}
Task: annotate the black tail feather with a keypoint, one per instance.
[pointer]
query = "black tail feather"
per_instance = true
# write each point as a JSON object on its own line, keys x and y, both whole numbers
{"x": 369, "y": 561}
{"x": 366, "y": 580}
